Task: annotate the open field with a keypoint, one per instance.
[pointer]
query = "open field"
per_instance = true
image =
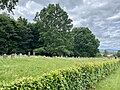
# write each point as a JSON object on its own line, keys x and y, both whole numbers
{"x": 11, "y": 69}
{"x": 18, "y": 67}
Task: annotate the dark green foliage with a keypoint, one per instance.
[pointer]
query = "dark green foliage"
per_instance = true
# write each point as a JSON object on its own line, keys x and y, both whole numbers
{"x": 118, "y": 53}
{"x": 8, "y": 35}
{"x": 34, "y": 43}
{"x": 85, "y": 43}
{"x": 77, "y": 78}
{"x": 15, "y": 36}
{"x": 8, "y": 4}
{"x": 51, "y": 34}
{"x": 105, "y": 54}
{"x": 54, "y": 26}
{"x": 24, "y": 34}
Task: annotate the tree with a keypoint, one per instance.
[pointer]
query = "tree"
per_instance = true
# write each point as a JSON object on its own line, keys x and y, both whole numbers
{"x": 8, "y": 35}
{"x": 54, "y": 26}
{"x": 17, "y": 36}
{"x": 8, "y": 4}
{"x": 118, "y": 53}
{"x": 35, "y": 36}
{"x": 105, "y": 54}
{"x": 24, "y": 34}
{"x": 85, "y": 43}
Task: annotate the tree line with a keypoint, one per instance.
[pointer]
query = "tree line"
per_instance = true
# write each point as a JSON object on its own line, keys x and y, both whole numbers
{"x": 51, "y": 34}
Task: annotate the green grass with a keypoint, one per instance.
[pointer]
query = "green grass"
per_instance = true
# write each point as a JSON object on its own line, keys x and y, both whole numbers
{"x": 112, "y": 82}
{"x": 18, "y": 67}
{"x": 11, "y": 69}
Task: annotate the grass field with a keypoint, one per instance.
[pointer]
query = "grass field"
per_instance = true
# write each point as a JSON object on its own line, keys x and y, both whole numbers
{"x": 11, "y": 69}
{"x": 18, "y": 67}
{"x": 112, "y": 82}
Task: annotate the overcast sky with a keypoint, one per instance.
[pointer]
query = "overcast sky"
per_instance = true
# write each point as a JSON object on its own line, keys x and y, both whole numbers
{"x": 101, "y": 16}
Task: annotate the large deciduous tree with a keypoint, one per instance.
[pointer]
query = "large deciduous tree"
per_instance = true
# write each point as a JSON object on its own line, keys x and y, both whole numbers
{"x": 105, "y": 53}
{"x": 55, "y": 35}
{"x": 118, "y": 53}
{"x": 8, "y": 4}
{"x": 34, "y": 43}
{"x": 15, "y": 36}
{"x": 85, "y": 43}
{"x": 25, "y": 35}
{"x": 8, "y": 35}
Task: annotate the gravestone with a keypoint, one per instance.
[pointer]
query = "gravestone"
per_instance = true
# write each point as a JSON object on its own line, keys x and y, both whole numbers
{"x": 5, "y": 56}
{"x": 33, "y": 53}
{"x": 20, "y": 54}
{"x": 28, "y": 54}
{"x": 12, "y": 55}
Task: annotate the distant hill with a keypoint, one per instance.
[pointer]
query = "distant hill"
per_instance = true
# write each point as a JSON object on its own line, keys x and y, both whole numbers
{"x": 110, "y": 51}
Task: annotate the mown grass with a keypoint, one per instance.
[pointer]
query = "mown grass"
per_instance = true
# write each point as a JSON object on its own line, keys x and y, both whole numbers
{"x": 11, "y": 69}
{"x": 112, "y": 82}
{"x": 18, "y": 67}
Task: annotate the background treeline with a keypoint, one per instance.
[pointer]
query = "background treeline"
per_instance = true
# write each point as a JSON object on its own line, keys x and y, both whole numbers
{"x": 51, "y": 34}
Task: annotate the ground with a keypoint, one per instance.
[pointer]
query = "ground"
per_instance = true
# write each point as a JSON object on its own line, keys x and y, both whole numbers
{"x": 12, "y": 69}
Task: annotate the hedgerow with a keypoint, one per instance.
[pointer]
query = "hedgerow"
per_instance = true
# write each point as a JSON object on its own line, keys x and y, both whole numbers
{"x": 80, "y": 77}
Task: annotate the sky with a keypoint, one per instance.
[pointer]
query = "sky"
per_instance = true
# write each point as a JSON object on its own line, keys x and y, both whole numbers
{"x": 101, "y": 16}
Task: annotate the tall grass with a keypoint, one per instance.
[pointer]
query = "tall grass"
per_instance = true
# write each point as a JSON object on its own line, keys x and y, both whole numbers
{"x": 12, "y": 69}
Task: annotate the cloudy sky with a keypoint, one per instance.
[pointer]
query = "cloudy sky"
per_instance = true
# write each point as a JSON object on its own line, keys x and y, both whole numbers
{"x": 101, "y": 16}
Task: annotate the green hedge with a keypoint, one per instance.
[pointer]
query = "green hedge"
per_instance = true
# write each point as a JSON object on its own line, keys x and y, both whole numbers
{"x": 78, "y": 78}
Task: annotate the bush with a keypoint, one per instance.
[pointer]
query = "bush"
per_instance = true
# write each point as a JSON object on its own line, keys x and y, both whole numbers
{"x": 77, "y": 78}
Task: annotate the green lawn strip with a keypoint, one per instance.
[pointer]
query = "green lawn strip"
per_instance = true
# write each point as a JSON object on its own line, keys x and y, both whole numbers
{"x": 12, "y": 69}
{"x": 111, "y": 82}
{"x": 19, "y": 67}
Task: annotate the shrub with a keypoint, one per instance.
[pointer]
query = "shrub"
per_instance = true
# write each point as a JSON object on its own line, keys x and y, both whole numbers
{"x": 77, "y": 78}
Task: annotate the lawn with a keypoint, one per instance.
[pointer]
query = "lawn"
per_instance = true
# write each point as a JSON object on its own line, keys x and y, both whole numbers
{"x": 23, "y": 66}
{"x": 112, "y": 82}
{"x": 18, "y": 67}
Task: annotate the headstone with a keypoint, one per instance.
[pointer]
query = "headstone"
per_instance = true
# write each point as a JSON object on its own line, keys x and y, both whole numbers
{"x": 33, "y": 53}
{"x": 61, "y": 56}
{"x": 25, "y": 55}
{"x": 20, "y": 54}
{"x": 12, "y": 55}
{"x": 43, "y": 55}
{"x": 5, "y": 56}
{"x": 15, "y": 54}
{"x": 28, "y": 53}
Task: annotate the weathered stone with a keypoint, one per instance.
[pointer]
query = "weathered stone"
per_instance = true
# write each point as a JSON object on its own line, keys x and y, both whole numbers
{"x": 28, "y": 53}
{"x": 5, "y": 56}
{"x": 33, "y": 53}
{"x": 12, "y": 55}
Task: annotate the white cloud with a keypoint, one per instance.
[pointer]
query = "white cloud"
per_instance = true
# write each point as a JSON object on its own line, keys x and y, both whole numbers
{"x": 114, "y": 17}
{"x": 28, "y": 10}
{"x": 101, "y": 16}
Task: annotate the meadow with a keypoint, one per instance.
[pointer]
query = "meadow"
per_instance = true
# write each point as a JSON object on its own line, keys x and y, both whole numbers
{"x": 23, "y": 66}
{"x": 18, "y": 67}
{"x": 12, "y": 69}
{"x": 112, "y": 82}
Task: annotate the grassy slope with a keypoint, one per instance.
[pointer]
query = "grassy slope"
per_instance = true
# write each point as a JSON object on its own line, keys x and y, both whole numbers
{"x": 112, "y": 82}
{"x": 11, "y": 69}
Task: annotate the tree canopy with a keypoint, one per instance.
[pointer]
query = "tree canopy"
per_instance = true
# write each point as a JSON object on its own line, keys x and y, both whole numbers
{"x": 55, "y": 26}
{"x": 118, "y": 53}
{"x": 85, "y": 43}
{"x": 105, "y": 54}
{"x": 15, "y": 36}
{"x": 8, "y": 4}
{"x": 51, "y": 34}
